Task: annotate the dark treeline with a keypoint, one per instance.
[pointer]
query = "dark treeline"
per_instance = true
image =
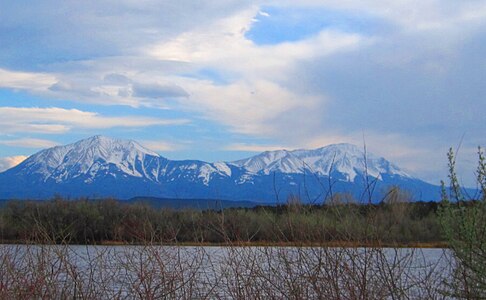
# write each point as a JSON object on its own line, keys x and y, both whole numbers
{"x": 104, "y": 221}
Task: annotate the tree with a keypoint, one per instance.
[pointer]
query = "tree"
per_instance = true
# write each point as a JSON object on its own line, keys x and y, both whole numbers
{"x": 463, "y": 219}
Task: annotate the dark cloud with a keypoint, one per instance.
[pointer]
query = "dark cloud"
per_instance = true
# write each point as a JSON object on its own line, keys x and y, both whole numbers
{"x": 118, "y": 79}
{"x": 158, "y": 91}
{"x": 63, "y": 87}
{"x": 59, "y": 87}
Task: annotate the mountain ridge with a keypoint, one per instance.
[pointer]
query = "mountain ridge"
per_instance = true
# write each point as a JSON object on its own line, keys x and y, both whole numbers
{"x": 103, "y": 166}
{"x": 323, "y": 160}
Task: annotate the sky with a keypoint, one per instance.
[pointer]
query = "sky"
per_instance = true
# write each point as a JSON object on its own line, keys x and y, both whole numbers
{"x": 226, "y": 79}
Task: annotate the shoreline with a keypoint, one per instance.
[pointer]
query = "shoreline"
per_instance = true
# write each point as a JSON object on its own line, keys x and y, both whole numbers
{"x": 330, "y": 244}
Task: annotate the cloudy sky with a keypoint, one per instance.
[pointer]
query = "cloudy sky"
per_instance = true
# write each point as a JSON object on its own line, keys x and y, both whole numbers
{"x": 223, "y": 79}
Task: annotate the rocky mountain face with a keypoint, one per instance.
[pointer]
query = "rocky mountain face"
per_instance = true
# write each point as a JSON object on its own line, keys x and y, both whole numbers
{"x": 105, "y": 167}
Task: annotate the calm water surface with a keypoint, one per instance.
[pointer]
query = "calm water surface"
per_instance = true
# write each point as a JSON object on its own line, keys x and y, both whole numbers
{"x": 231, "y": 272}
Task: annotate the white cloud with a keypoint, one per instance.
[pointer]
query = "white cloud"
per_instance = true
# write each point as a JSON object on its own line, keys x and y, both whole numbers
{"x": 10, "y": 162}
{"x": 25, "y": 80}
{"x": 263, "y": 13}
{"x": 222, "y": 45}
{"x": 29, "y": 143}
{"x": 253, "y": 147}
{"x": 161, "y": 145}
{"x": 58, "y": 120}
{"x": 261, "y": 91}
{"x": 251, "y": 102}
{"x": 246, "y": 107}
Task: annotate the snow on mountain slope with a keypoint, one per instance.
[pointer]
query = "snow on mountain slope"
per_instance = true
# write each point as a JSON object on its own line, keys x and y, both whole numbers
{"x": 104, "y": 156}
{"x": 91, "y": 157}
{"x": 102, "y": 166}
{"x": 99, "y": 157}
{"x": 206, "y": 171}
{"x": 346, "y": 159}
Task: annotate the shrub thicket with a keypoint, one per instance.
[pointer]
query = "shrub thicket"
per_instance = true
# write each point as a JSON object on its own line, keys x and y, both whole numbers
{"x": 392, "y": 222}
{"x": 463, "y": 220}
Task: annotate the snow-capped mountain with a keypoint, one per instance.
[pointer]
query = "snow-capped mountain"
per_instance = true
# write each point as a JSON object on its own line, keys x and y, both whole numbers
{"x": 344, "y": 159}
{"x": 105, "y": 167}
{"x": 91, "y": 158}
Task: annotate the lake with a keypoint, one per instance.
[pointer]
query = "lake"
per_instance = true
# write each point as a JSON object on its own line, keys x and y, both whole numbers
{"x": 196, "y": 272}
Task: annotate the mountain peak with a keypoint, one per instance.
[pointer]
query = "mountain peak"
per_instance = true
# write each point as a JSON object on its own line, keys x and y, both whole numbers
{"x": 109, "y": 144}
{"x": 347, "y": 159}
{"x": 89, "y": 158}
{"x": 348, "y": 148}
{"x": 342, "y": 146}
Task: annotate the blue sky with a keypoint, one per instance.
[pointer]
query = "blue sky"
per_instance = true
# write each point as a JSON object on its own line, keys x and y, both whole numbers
{"x": 222, "y": 80}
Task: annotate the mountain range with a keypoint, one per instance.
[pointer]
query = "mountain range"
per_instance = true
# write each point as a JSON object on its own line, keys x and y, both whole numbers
{"x": 101, "y": 166}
